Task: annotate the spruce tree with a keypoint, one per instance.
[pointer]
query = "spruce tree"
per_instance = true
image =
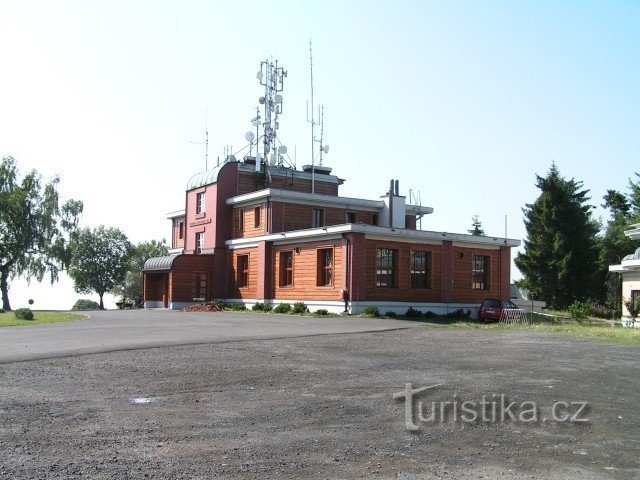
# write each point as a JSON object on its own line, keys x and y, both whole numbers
{"x": 560, "y": 258}
{"x": 477, "y": 226}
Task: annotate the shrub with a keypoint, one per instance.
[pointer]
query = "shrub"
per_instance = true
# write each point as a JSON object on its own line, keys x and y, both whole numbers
{"x": 267, "y": 308}
{"x": 85, "y": 304}
{"x": 258, "y": 307}
{"x": 633, "y": 306}
{"x": 23, "y": 314}
{"x": 429, "y": 314}
{"x": 579, "y": 310}
{"x": 237, "y": 306}
{"x": 282, "y": 308}
{"x": 413, "y": 313}
{"x": 1, "y": 310}
{"x": 391, "y": 314}
{"x": 322, "y": 311}
{"x": 371, "y": 311}
{"x": 459, "y": 313}
{"x": 299, "y": 308}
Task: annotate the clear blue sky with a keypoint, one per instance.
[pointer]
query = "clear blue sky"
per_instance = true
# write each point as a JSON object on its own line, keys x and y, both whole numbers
{"x": 463, "y": 101}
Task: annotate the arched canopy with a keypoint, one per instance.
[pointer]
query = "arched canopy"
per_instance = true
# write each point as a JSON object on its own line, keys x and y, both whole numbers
{"x": 159, "y": 263}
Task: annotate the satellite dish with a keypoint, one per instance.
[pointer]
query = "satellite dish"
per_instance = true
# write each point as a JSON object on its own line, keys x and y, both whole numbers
{"x": 282, "y": 149}
{"x": 326, "y": 148}
{"x": 259, "y": 75}
{"x": 255, "y": 123}
{"x": 278, "y": 98}
{"x": 249, "y": 136}
{"x": 261, "y": 100}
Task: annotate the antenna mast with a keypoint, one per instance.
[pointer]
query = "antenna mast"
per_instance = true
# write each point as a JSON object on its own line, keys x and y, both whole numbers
{"x": 272, "y": 78}
{"x": 313, "y": 124}
{"x": 206, "y": 141}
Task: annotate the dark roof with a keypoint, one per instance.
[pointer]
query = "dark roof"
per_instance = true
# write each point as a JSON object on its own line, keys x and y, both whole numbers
{"x": 159, "y": 263}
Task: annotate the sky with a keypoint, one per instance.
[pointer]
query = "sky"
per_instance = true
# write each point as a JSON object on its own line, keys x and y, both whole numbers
{"x": 461, "y": 101}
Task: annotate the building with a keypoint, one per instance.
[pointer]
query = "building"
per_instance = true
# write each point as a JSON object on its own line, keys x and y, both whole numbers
{"x": 629, "y": 268}
{"x": 261, "y": 236}
{"x": 259, "y": 231}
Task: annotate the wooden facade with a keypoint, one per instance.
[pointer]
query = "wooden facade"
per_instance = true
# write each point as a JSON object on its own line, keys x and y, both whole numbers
{"x": 254, "y": 248}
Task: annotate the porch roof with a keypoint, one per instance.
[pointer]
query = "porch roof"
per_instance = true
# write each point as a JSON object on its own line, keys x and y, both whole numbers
{"x": 159, "y": 263}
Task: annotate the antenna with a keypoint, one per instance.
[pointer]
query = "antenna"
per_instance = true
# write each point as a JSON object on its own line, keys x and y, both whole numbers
{"x": 272, "y": 78}
{"x": 313, "y": 124}
{"x": 206, "y": 140}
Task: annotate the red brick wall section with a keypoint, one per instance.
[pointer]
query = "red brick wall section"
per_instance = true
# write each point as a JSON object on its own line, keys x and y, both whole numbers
{"x": 446, "y": 271}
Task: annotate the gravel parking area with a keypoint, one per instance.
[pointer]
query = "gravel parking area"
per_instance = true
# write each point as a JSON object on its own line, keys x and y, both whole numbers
{"x": 322, "y": 407}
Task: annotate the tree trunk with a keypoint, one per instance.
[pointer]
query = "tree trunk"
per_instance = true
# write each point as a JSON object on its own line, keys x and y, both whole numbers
{"x": 101, "y": 303}
{"x": 4, "y": 286}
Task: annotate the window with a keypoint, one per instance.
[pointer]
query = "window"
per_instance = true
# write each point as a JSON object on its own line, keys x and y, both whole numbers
{"x": 286, "y": 269}
{"x": 351, "y": 217}
{"x": 318, "y": 217}
{"x": 374, "y": 219}
{"x": 181, "y": 230}
{"x": 242, "y": 272}
{"x": 386, "y": 265}
{"x": 241, "y": 220}
{"x": 257, "y": 217}
{"x": 199, "y": 286}
{"x": 420, "y": 269}
{"x": 480, "y": 272}
{"x": 200, "y": 203}
{"x": 199, "y": 242}
{"x": 325, "y": 267}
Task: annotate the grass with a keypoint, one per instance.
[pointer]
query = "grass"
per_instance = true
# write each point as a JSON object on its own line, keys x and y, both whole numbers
{"x": 587, "y": 329}
{"x": 40, "y": 317}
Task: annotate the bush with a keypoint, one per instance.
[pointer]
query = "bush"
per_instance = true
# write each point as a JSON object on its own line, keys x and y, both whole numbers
{"x": 429, "y": 314}
{"x": 258, "y": 307}
{"x": 282, "y": 308}
{"x": 267, "y": 308}
{"x": 1, "y": 310}
{"x": 322, "y": 311}
{"x": 413, "y": 313}
{"x": 579, "y": 310}
{"x": 371, "y": 311}
{"x": 85, "y": 304}
{"x": 459, "y": 313}
{"x": 299, "y": 308}
{"x": 237, "y": 306}
{"x": 633, "y": 306}
{"x": 23, "y": 314}
{"x": 391, "y": 314}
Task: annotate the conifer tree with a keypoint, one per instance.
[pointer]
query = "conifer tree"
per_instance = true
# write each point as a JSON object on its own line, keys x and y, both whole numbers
{"x": 560, "y": 258}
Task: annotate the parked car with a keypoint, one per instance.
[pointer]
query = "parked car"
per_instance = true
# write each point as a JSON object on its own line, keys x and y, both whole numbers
{"x": 491, "y": 309}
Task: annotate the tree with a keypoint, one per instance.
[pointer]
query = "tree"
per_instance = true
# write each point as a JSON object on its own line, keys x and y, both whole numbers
{"x": 35, "y": 230}
{"x": 99, "y": 260}
{"x": 477, "y": 226}
{"x": 560, "y": 258}
{"x": 130, "y": 289}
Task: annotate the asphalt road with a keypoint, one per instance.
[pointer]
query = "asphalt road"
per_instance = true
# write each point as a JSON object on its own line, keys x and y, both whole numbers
{"x": 115, "y": 330}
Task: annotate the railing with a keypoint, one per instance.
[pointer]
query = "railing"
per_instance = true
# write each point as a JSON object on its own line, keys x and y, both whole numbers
{"x": 514, "y": 316}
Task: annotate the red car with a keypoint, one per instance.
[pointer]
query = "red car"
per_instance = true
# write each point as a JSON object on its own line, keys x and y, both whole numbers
{"x": 491, "y": 309}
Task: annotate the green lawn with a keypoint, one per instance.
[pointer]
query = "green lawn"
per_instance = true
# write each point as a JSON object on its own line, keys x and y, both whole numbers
{"x": 8, "y": 319}
{"x": 590, "y": 329}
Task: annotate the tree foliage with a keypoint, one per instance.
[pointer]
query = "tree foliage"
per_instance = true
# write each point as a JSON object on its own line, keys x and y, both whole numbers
{"x": 35, "y": 230}
{"x": 130, "y": 289}
{"x": 559, "y": 262}
{"x": 476, "y": 225}
{"x": 100, "y": 258}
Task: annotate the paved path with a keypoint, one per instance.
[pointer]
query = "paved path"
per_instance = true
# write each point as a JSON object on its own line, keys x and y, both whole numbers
{"x": 131, "y": 329}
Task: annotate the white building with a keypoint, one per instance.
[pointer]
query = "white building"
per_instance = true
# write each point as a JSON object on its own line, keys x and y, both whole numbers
{"x": 629, "y": 268}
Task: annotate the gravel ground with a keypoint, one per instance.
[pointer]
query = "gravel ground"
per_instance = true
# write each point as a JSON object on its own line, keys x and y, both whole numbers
{"x": 321, "y": 407}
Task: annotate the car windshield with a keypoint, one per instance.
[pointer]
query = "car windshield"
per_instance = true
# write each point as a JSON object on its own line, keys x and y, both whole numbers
{"x": 492, "y": 303}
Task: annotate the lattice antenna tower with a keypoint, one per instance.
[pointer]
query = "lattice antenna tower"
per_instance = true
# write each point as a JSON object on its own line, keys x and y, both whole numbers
{"x": 271, "y": 76}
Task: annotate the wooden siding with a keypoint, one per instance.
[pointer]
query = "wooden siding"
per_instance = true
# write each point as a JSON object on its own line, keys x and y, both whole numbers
{"x": 253, "y": 181}
{"x": 250, "y": 290}
{"x": 462, "y": 275}
{"x": 181, "y": 280}
{"x": 298, "y": 217}
{"x": 305, "y": 271}
{"x": 403, "y": 291}
{"x": 249, "y": 222}
{"x": 154, "y": 284}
